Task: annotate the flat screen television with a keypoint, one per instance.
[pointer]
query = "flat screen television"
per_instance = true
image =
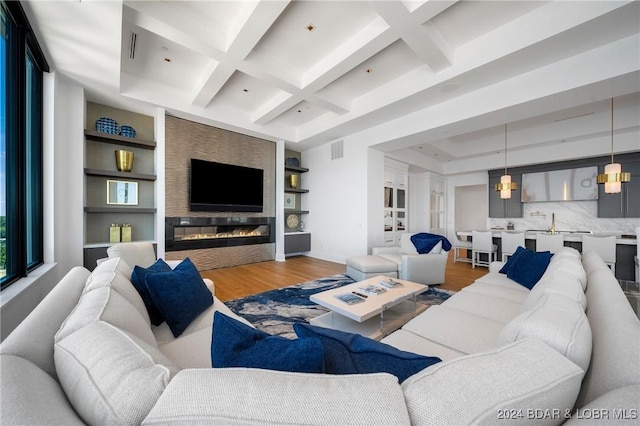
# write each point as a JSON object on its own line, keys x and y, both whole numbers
{"x": 219, "y": 187}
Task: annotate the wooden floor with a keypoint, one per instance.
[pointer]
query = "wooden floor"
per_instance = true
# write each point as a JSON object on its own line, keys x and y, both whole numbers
{"x": 240, "y": 281}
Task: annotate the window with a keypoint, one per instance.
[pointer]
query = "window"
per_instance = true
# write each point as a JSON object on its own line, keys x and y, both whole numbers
{"x": 21, "y": 221}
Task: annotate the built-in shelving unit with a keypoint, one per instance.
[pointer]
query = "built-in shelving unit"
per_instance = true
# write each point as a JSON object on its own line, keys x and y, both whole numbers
{"x": 296, "y": 238}
{"x": 100, "y": 169}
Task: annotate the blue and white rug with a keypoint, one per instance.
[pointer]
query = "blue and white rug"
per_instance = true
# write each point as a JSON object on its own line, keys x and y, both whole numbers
{"x": 276, "y": 311}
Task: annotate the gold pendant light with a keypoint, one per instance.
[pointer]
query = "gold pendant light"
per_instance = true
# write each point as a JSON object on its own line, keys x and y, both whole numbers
{"x": 613, "y": 176}
{"x": 505, "y": 186}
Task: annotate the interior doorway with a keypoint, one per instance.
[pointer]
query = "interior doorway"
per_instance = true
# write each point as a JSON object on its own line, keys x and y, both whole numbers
{"x": 471, "y": 207}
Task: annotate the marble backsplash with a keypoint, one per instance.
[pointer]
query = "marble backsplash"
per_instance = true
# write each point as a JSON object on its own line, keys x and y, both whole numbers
{"x": 570, "y": 216}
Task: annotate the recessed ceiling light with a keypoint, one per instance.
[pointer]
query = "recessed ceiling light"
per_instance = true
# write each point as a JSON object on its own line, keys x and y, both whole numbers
{"x": 310, "y": 27}
{"x": 245, "y": 90}
{"x": 167, "y": 59}
{"x": 369, "y": 71}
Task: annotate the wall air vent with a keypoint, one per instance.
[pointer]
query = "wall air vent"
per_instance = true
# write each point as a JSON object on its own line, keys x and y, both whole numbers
{"x": 132, "y": 45}
{"x": 337, "y": 150}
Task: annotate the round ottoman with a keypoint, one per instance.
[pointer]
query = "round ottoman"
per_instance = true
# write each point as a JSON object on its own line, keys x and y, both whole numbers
{"x": 362, "y": 267}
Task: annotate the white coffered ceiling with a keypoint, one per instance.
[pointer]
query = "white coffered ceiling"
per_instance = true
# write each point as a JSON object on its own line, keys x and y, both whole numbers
{"x": 430, "y": 82}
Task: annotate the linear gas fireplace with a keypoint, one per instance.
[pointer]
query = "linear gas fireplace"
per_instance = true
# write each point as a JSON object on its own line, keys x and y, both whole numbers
{"x": 188, "y": 233}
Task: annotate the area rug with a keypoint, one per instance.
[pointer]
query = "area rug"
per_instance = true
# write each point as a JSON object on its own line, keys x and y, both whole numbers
{"x": 276, "y": 311}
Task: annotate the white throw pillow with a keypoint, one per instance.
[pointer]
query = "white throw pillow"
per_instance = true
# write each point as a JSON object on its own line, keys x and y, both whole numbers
{"x": 110, "y": 376}
{"x": 487, "y": 387}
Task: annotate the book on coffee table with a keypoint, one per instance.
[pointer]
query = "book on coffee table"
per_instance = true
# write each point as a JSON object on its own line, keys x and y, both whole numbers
{"x": 372, "y": 290}
{"x": 349, "y": 298}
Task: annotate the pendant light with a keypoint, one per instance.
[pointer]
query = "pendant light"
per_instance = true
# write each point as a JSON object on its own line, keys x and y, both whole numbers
{"x": 613, "y": 176}
{"x": 505, "y": 186}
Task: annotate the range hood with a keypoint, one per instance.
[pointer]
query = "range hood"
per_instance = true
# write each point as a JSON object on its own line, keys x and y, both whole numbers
{"x": 560, "y": 185}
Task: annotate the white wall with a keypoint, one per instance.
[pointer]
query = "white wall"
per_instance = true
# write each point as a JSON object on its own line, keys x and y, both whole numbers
{"x": 63, "y": 201}
{"x": 341, "y": 193}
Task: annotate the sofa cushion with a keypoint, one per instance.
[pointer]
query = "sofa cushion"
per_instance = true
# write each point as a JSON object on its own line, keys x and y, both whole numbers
{"x": 116, "y": 273}
{"x": 558, "y": 282}
{"x": 179, "y": 294}
{"x": 31, "y": 397}
{"x": 472, "y": 334}
{"x": 246, "y": 346}
{"x": 528, "y": 267}
{"x": 347, "y": 353}
{"x": 493, "y": 308}
{"x": 411, "y": 342}
{"x": 485, "y": 388}
{"x": 569, "y": 265}
{"x": 109, "y": 375}
{"x": 134, "y": 253}
{"x": 249, "y": 396}
{"x": 559, "y": 322}
{"x": 106, "y": 304}
{"x": 138, "y": 280}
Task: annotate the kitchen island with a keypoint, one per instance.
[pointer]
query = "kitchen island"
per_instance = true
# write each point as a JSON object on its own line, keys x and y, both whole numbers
{"x": 626, "y": 245}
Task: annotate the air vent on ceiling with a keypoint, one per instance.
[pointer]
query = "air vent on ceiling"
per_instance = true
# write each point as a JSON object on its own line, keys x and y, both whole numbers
{"x": 337, "y": 150}
{"x": 132, "y": 45}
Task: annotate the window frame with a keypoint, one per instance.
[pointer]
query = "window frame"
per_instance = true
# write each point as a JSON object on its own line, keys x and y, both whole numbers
{"x": 23, "y": 146}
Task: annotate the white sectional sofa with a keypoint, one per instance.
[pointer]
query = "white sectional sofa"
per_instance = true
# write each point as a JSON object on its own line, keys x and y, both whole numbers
{"x": 510, "y": 355}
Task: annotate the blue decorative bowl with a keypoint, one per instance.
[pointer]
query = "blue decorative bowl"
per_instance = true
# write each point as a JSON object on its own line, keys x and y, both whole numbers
{"x": 128, "y": 131}
{"x": 107, "y": 125}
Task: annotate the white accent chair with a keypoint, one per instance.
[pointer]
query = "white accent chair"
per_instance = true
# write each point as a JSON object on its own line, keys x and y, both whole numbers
{"x": 604, "y": 246}
{"x": 458, "y": 245}
{"x": 549, "y": 242}
{"x": 510, "y": 242}
{"x": 401, "y": 261}
{"x": 482, "y": 243}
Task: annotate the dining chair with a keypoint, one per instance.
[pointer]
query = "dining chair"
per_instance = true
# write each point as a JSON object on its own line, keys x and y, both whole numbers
{"x": 510, "y": 241}
{"x": 549, "y": 242}
{"x": 461, "y": 244}
{"x": 482, "y": 243}
{"x": 604, "y": 246}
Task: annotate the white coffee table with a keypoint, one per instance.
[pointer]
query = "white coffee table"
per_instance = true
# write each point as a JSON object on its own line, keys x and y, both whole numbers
{"x": 378, "y": 315}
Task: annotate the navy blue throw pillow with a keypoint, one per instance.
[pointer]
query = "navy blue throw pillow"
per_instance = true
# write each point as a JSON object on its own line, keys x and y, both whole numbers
{"x": 137, "y": 279}
{"x": 512, "y": 259}
{"x": 180, "y": 295}
{"x": 347, "y": 353}
{"x": 235, "y": 344}
{"x": 529, "y": 267}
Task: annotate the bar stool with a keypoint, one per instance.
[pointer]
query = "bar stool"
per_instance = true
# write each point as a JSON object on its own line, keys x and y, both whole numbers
{"x": 461, "y": 245}
{"x": 510, "y": 242}
{"x": 604, "y": 246}
{"x": 482, "y": 243}
{"x": 549, "y": 242}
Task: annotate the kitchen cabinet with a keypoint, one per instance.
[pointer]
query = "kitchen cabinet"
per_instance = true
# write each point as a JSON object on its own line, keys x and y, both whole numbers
{"x": 627, "y": 202}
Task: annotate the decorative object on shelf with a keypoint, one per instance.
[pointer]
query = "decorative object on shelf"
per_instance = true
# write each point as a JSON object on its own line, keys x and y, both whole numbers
{"x": 114, "y": 233}
{"x": 292, "y": 161}
{"x": 505, "y": 186}
{"x": 125, "y": 233}
{"x": 124, "y": 160}
{"x": 122, "y": 193}
{"x": 613, "y": 176}
{"x": 107, "y": 125}
{"x": 293, "y": 180}
{"x": 289, "y": 201}
{"x": 293, "y": 221}
{"x": 128, "y": 131}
